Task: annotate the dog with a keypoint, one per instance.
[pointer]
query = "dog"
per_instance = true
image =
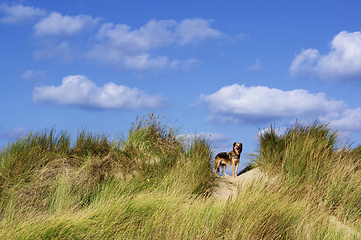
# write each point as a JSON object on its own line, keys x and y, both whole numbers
{"x": 231, "y": 158}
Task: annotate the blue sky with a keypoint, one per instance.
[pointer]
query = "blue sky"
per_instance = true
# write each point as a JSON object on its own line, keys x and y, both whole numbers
{"x": 220, "y": 68}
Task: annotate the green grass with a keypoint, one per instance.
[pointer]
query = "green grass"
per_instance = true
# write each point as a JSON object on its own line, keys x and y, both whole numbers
{"x": 152, "y": 184}
{"x": 312, "y": 162}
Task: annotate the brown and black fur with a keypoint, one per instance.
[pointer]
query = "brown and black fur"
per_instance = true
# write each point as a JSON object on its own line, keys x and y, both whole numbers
{"x": 231, "y": 158}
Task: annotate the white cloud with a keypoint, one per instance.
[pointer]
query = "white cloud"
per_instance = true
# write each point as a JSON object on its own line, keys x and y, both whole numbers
{"x": 151, "y": 35}
{"x": 349, "y": 120}
{"x": 115, "y": 45}
{"x": 256, "y": 67}
{"x": 57, "y": 24}
{"x": 156, "y": 34}
{"x": 78, "y": 90}
{"x": 119, "y": 45}
{"x": 241, "y": 104}
{"x": 19, "y": 14}
{"x": 343, "y": 62}
{"x": 255, "y": 105}
{"x": 31, "y": 75}
{"x": 195, "y": 30}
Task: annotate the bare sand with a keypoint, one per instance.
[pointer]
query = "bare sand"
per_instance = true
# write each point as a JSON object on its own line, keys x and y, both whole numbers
{"x": 227, "y": 186}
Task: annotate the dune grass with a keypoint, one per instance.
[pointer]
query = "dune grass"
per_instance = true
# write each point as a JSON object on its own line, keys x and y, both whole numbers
{"x": 313, "y": 163}
{"x": 152, "y": 184}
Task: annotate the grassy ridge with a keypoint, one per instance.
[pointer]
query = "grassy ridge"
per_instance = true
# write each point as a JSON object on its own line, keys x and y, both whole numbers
{"x": 152, "y": 184}
{"x": 45, "y": 177}
{"x": 312, "y": 162}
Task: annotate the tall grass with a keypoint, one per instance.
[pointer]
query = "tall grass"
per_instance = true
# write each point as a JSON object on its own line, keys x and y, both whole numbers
{"x": 150, "y": 144}
{"x": 44, "y": 174}
{"x": 153, "y": 184}
{"x": 257, "y": 214}
{"x": 31, "y": 152}
{"x": 312, "y": 161}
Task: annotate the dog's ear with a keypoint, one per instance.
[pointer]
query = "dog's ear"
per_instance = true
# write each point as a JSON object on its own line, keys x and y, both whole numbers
{"x": 234, "y": 144}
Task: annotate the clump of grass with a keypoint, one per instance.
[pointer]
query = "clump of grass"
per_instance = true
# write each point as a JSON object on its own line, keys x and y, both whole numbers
{"x": 149, "y": 143}
{"x": 152, "y": 136}
{"x": 20, "y": 158}
{"x": 89, "y": 145}
{"x": 199, "y": 156}
{"x": 300, "y": 149}
{"x": 312, "y": 161}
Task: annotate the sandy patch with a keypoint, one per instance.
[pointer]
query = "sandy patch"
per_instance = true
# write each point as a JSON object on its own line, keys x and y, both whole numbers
{"x": 227, "y": 186}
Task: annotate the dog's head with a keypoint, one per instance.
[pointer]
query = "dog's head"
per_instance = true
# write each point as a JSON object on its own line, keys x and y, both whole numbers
{"x": 237, "y": 148}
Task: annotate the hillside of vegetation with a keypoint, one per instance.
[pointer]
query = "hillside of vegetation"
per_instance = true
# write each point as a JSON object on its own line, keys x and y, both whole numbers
{"x": 153, "y": 184}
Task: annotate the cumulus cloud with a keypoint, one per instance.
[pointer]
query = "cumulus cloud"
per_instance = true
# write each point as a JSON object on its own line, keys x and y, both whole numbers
{"x": 241, "y": 104}
{"x": 348, "y": 120}
{"x": 16, "y": 14}
{"x": 343, "y": 62}
{"x": 78, "y": 90}
{"x": 57, "y": 24}
{"x": 151, "y": 35}
{"x": 119, "y": 44}
{"x": 156, "y": 34}
{"x": 195, "y": 30}
{"x": 67, "y": 38}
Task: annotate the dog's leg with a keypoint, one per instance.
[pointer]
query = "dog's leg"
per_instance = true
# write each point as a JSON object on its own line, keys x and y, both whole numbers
{"x": 236, "y": 169}
{"x": 233, "y": 170}
{"x": 224, "y": 169}
{"x": 216, "y": 166}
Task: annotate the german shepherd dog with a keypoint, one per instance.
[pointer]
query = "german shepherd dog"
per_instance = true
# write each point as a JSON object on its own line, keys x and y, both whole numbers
{"x": 231, "y": 158}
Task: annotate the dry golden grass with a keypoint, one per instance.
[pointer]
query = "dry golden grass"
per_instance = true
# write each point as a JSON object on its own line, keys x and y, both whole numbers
{"x": 151, "y": 184}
